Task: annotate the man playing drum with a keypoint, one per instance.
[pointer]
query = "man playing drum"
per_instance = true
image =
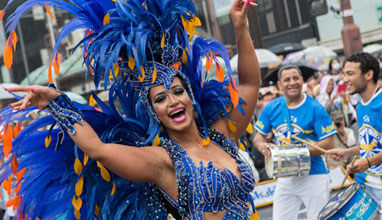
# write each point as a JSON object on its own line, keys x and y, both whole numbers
{"x": 308, "y": 120}
{"x": 361, "y": 75}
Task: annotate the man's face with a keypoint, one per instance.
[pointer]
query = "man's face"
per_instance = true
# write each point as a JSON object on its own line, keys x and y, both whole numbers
{"x": 353, "y": 78}
{"x": 291, "y": 83}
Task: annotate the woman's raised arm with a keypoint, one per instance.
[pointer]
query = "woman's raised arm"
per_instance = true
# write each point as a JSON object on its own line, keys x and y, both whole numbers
{"x": 248, "y": 71}
{"x": 144, "y": 164}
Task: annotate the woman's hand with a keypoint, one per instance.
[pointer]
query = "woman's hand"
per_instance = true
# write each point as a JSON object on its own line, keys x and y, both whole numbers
{"x": 38, "y": 96}
{"x": 238, "y": 13}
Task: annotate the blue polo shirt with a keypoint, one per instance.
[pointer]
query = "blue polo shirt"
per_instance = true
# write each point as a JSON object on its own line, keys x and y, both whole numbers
{"x": 308, "y": 120}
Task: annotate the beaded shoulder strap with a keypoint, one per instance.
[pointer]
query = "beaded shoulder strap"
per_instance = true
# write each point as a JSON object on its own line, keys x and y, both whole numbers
{"x": 182, "y": 174}
{"x": 218, "y": 138}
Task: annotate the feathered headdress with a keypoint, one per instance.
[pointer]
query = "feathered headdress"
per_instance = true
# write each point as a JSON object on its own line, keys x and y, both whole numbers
{"x": 146, "y": 42}
{"x": 131, "y": 45}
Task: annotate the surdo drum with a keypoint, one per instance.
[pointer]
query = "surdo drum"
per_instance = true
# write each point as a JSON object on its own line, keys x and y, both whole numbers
{"x": 351, "y": 203}
{"x": 288, "y": 160}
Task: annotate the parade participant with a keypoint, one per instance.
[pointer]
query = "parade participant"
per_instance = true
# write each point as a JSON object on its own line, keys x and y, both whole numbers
{"x": 361, "y": 76}
{"x": 155, "y": 75}
{"x": 297, "y": 114}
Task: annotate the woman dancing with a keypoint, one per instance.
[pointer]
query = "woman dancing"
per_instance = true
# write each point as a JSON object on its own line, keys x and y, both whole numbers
{"x": 166, "y": 100}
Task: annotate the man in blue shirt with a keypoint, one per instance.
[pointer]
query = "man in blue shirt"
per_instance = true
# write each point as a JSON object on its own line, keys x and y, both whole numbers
{"x": 361, "y": 75}
{"x": 306, "y": 118}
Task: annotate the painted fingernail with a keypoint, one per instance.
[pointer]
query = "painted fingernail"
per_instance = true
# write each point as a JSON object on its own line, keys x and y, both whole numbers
{"x": 5, "y": 89}
{"x": 254, "y": 4}
{"x": 9, "y": 105}
{"x": 32, "y": 89}
{"x": 248, "y": 2}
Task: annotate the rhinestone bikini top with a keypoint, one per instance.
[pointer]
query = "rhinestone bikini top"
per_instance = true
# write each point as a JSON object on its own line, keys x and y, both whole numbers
{"x": 206, "y": 188}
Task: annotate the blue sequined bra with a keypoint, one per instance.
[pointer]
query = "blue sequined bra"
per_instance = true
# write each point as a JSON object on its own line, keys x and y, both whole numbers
{"x": 206, "y": 188}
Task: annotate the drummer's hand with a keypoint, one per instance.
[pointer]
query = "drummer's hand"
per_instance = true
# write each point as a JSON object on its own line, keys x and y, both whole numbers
{"x": 359, "y": 166}
{"x": 264, "y": 149}
{"x": 338, "y": 154}
{"x": 238, "y": 13}
{"x": 36, "y": 96}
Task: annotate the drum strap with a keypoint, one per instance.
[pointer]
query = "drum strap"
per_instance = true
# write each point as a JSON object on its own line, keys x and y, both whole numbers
{"x": 286, "y": 115}
{"x": 287, "y": 119}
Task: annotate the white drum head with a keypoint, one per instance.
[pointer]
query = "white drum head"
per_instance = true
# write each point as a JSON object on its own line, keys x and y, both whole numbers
{"x": 269, "y": 166}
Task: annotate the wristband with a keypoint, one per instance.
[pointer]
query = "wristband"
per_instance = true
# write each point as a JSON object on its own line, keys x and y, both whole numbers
{"x": 368, "y": 162}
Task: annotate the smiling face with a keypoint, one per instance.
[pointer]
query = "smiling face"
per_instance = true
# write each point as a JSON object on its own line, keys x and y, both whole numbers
{"x": 174, "y": 108}
{"x": 355, "y": 81}
{"x": 291, "y": 83}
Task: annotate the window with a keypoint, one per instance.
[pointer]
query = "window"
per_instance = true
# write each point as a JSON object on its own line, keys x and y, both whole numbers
{"x": 271, "y": 22}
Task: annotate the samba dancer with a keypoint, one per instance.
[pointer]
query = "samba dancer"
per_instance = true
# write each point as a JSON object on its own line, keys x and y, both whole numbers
{"x": 198, "y": 170}
{"x": 297, "y": 114}
{"x": 361, "y": 75}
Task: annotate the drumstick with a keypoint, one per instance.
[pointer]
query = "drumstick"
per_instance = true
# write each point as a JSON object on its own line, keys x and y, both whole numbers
{"x": 310, "y": 144}
{"x": 347, "y": 174}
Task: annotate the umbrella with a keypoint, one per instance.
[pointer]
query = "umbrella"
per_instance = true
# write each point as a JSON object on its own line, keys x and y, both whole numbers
{"x": 310, "y": 53}
{"x": 373, "y": 48}
{"x": 285, "y": 48}
{"x": 307, "y": 72}
{"x": 265, "y": 57}
{"x": 6, "y": 95}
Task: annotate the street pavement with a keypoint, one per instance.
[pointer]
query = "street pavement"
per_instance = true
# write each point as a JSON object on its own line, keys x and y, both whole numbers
{"x": 265, "y": 212}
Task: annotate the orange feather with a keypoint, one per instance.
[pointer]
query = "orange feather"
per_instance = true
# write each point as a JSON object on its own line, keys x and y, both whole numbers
{"x": 154, "y": 75}
{"x": 209, "y": 62}
{"x": 20, "y": 174}
{"x": 8, "y": 137}
{"x": 89, "y": 33}
{"x": 8, "y": 54}
{"x": 57, "y": 63}
{"x": 14, "y": 164}
{"x": 233, "y": 92}
{"x": 50, "y": 76}
{"x": 10, "y": 202}
{"x": 17, "y": 202}
{"x": 219, "y": 72}
{"x": 14, "y": 40}
{"x": 7, "y": 185}
{"x": 17, "y": 129}
{"x": 49, "y": 12}
{"x": 2, "y": 13}
{"x": 17, "y": 188}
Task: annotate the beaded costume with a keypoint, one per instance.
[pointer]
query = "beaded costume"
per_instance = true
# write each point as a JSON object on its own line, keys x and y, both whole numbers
{"x": 209, "y": 188}
{"x": 132, "y": 46}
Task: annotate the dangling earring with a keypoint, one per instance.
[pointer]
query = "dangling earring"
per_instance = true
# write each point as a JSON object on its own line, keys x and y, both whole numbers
{"x": 195, "y": 114}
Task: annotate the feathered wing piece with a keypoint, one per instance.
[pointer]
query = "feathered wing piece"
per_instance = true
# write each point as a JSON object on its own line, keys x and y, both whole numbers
{"x": 131, "y": 45}
{"x": 66, "y": 184}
